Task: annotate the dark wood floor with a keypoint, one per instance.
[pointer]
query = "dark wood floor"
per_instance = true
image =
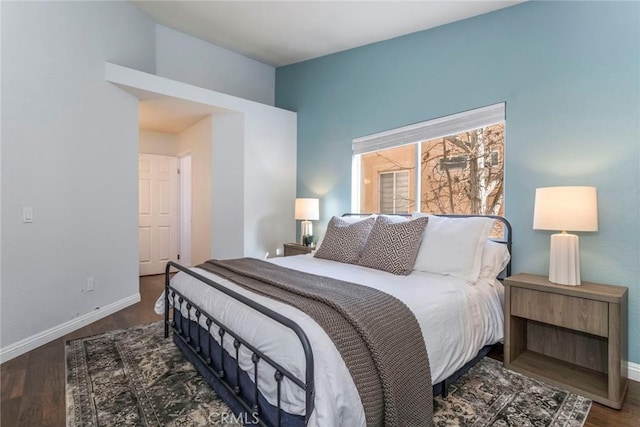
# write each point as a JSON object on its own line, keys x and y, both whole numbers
{"x": 33, "y": 385}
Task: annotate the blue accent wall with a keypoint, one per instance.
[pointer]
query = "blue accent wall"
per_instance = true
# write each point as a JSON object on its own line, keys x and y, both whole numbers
{"x": 570, "y": 75}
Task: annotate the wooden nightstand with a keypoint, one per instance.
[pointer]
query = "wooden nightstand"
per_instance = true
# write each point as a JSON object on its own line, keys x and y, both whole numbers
{"x": 574, "y": 337}
{"x": 296, "y": 249}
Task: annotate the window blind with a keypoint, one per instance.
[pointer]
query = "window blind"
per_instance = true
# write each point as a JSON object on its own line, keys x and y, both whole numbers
{"x": 431, "y": 129}
{"x": 394, "y": 192}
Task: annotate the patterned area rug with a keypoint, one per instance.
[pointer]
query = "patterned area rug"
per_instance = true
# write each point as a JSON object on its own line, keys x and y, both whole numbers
{"x": 135, "y": 377}
{"x": 489, "y": 395}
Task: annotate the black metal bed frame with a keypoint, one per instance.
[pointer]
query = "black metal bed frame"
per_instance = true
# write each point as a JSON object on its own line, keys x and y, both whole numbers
{"x": 219, "y": 372}
{"x": 203, "y": 351}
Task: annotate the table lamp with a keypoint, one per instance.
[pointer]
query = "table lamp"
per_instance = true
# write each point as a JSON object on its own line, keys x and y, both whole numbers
{"x": 565, "y": 209}
{"x": 307, "y": 210}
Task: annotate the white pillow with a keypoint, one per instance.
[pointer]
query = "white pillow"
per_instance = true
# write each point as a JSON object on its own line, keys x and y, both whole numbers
{"x": 453, "y": 246}
{"x": 394, "y": 219}
{"x": 354, "y": 219}
{"x": 495, "y": 257}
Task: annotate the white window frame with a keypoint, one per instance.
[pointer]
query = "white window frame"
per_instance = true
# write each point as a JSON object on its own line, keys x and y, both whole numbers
{"x": 414, "y": 134}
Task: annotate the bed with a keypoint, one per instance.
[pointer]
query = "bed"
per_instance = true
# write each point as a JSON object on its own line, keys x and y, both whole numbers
{"x": 274, "y": 365}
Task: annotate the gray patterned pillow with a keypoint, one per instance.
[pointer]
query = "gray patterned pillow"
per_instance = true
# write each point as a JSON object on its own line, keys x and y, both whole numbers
{"x": 344, "y": 240}
{"x": 393, "y": 247}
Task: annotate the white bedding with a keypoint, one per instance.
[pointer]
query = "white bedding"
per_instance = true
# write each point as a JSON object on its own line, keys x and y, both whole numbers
{"x": 456, "y": 319}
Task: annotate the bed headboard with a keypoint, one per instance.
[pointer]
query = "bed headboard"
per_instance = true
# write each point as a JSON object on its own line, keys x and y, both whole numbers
{"x": 506, "y": 231}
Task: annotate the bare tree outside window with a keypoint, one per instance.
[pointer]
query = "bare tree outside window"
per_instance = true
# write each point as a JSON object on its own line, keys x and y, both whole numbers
{"x": 464, "y": 173}
{"x": 459, "y": 174}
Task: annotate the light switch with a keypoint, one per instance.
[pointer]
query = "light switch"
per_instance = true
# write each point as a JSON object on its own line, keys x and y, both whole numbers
{"x": 27, "y": 214}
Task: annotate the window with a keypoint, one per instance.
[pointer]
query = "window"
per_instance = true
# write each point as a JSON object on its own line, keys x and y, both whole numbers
{"x": 379, "y": 168}
{"x": 394, "y": 192}
{"x": 453, "y": 165}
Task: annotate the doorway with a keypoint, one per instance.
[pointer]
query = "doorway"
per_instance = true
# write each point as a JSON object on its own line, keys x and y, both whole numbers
{"x": 158, "y": 212}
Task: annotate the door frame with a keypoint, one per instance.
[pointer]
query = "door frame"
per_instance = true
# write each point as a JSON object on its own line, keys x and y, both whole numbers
{"x": 184, "y": 214}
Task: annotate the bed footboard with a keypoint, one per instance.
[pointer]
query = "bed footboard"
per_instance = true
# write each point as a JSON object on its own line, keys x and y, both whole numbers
{"x": 216, "y": 364}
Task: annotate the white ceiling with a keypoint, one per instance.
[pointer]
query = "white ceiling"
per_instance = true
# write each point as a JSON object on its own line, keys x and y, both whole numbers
{"x": 166, "y": 114}
{"x": 284, "y": 32}
{"x": 169, "y": 115}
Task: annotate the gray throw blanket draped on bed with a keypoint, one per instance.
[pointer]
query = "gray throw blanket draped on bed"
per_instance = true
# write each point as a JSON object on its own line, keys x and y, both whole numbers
{"x": 377, "y": 335}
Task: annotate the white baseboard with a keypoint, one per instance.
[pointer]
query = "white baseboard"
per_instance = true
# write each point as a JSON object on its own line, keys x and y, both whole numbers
{"x": 634, "y": 371}
{"x": 44, "y": 337}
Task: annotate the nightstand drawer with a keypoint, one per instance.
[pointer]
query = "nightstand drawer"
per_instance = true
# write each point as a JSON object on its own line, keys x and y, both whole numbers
{"x": 580, "y": 314}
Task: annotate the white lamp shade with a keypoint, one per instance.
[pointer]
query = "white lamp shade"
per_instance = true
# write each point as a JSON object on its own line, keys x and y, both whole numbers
{"x": 307, "y": 209}
{"x": 566, "y": 209}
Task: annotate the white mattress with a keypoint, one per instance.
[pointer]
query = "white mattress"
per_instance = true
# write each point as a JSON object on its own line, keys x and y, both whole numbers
{"x": 456, "y": 319}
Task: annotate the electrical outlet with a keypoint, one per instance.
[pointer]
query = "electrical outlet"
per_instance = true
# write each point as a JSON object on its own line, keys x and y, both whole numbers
{"x": 90, "y": 284}
{"x": 278, "y": 252}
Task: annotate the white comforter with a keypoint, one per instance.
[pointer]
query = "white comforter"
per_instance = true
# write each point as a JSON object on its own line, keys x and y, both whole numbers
{"x": 456, "y": 319}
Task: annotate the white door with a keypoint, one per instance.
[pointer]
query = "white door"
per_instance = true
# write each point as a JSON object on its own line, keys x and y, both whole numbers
{"x": 158, "y": 211}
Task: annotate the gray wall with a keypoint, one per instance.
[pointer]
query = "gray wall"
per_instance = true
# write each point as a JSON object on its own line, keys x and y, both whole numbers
{"x": 191, "y": 60}
{"x": 155, "y": 142}
{"x": 70, "y": 149}
{"x": 197, "y": 139}
{"x": 70, "y": 144}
